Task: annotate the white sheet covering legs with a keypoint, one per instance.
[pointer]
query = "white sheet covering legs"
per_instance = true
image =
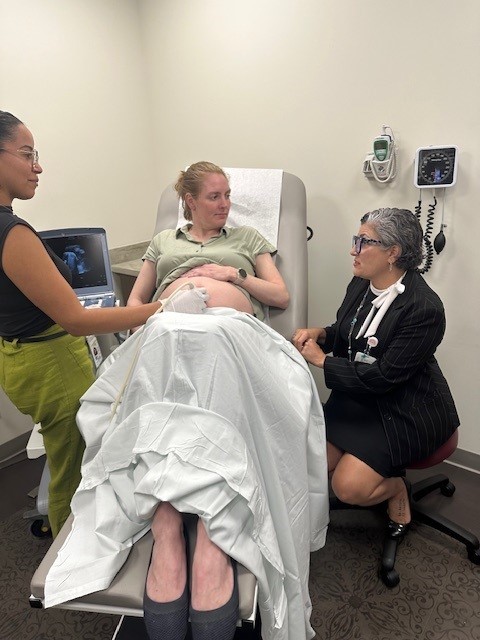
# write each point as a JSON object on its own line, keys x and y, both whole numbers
{"x": 221, "y": 418}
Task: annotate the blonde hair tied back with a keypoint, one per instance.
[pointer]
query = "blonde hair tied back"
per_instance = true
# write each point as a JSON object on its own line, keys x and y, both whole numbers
{"x": 190, "y": 182}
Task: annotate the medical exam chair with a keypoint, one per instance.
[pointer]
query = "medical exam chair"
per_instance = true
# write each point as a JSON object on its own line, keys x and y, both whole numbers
{"x": 125, "y": 595}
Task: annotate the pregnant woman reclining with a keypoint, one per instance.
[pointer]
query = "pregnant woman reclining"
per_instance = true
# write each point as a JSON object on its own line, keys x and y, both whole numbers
{"x": 235, "y": 267}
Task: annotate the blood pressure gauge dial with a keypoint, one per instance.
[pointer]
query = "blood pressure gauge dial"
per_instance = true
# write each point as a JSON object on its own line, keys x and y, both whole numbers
{"x": 435, "y": 167}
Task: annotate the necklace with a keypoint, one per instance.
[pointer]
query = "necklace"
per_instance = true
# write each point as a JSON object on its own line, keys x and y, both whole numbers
{"x": 353, "y": 323}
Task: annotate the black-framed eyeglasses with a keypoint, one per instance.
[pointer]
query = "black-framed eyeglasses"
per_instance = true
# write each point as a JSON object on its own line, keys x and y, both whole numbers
{"x": 30, "y": 154}
{"x": 359, "y": 241}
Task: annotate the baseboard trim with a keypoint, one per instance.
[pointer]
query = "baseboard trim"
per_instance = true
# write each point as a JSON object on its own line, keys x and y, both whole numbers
{"x": 14, "y": 450}
{"x": 465, "y": 459}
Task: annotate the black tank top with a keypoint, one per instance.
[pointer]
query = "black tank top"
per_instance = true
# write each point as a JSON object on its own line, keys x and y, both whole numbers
{"x": 20, "y": 318}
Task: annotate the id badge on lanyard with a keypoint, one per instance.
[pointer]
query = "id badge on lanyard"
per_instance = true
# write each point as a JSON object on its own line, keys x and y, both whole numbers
{"x": 364, "y": 357}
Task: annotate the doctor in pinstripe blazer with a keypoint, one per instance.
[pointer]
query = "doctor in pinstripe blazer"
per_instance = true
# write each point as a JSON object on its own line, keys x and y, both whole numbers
{"x": 390, "y": 404}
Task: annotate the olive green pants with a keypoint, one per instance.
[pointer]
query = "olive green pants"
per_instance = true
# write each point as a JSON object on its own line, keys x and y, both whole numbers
{"x": 45, "y": 380}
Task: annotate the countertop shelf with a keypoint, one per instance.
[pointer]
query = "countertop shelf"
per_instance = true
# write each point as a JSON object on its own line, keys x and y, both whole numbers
{"x": 129, "y": 268}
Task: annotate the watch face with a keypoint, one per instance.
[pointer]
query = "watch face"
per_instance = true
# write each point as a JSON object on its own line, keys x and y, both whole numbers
{"x": 242, "y": 273}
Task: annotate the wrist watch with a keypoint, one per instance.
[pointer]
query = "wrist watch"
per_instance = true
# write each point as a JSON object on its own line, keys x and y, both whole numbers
{"x": 241, "y": 275}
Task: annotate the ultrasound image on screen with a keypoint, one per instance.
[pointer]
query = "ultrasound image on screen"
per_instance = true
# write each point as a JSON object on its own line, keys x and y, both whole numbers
{"x": 84, "y": 257}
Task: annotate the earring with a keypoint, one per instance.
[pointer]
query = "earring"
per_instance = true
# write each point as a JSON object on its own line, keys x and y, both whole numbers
{"x": 390, "y": 266}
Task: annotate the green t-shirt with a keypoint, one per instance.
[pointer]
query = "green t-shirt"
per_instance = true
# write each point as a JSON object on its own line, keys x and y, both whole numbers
{"x": 175, "y": 251}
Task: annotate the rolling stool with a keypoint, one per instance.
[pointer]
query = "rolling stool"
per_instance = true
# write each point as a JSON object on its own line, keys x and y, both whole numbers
{"x": 425, "y": 515}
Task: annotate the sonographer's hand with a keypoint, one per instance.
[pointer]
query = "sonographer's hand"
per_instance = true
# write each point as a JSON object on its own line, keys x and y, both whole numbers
{"x": 193, "y": 300}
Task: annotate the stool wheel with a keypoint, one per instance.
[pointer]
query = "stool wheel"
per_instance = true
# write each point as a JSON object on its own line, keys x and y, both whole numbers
{"x": 40, "y": 529}
{"x": 448, "y": 490}
{"x": 390, "y": 578}
{"x": 474, "y": 555}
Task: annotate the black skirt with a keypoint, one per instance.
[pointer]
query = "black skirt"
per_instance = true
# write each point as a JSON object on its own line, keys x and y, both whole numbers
{"x": 353, "y": 425}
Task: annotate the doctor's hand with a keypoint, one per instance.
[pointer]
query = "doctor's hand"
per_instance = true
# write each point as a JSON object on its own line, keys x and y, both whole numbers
{"x": 192, "y": 300}
{"x": 215, "y": 271}
{"x": 300, "y": 337}
{"x": 313, "y": 353}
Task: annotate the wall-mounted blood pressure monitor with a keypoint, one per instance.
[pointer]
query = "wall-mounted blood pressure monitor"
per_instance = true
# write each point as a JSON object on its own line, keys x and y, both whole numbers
{"x": 435, "y": 167}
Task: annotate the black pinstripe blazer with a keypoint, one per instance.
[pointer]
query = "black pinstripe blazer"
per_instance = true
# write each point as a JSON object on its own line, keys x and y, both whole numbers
{"x": 412, "y": 395}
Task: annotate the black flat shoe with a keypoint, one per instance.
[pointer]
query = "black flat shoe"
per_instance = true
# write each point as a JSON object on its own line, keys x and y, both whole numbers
{"x": 397, "y": 530}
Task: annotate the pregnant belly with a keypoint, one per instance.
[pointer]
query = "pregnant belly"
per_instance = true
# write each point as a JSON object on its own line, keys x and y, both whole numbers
{"x": 222, "y": 294}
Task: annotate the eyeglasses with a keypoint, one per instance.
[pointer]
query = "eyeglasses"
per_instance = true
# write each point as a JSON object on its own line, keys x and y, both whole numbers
{"x": 359, "y": 241}
{"x": 31, "y": 155}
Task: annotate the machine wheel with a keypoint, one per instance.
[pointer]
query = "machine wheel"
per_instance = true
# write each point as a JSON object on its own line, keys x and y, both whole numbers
{"x": 40, "y": 529}
{"x": 448, "y": 490}
{"x": 390, "y": 578}
{"x": 474, "y": 555}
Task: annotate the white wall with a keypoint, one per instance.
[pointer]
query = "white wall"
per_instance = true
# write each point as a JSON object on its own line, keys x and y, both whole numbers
{"x": 305, "y": 85}
{"x": 73, "y": 71}
{"x": 120, "y": 100}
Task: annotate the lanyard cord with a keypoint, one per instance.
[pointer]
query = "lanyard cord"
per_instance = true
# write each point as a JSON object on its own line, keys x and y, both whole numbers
{"x": 353, "y": 323}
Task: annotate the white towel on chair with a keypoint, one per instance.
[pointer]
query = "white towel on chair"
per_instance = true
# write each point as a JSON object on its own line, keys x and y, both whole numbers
{"x": 255, "y": 200}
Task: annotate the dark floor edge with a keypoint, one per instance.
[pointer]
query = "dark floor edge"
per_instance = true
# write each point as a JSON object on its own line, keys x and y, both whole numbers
{"x": 14, "y": 450}
{"x": 465, "y": 459}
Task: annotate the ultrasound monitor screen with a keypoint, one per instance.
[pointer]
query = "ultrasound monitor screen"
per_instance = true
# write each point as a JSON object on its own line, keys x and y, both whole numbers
{"x": 86, "y": 256}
